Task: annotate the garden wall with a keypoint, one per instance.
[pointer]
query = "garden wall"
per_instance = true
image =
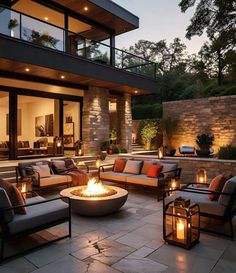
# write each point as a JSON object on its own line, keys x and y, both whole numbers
{"x": 214, "y": 115}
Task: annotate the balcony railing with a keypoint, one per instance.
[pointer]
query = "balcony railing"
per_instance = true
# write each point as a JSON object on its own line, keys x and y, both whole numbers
{"x": 32, "y": 30}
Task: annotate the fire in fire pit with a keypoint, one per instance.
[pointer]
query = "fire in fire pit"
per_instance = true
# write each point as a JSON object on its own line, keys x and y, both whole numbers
{"x": 94, "y": 189}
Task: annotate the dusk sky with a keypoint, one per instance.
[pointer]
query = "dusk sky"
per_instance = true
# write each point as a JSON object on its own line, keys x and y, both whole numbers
{"x": 159, "y": 19}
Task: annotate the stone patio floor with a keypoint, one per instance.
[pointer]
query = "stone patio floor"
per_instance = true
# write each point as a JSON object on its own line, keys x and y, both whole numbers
{"x": 129, "y": 241}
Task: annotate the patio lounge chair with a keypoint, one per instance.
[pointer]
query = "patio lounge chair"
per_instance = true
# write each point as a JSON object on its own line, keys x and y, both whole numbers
{"x": 40, "y": 214}
{"x": 213, "y": 214}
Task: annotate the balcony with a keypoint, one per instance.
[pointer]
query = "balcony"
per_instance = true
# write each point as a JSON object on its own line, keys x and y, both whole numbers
{"x": 34, "y": 31}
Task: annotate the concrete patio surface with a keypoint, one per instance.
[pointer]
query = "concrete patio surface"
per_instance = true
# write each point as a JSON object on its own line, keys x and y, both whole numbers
{"x": 129, "y": 241}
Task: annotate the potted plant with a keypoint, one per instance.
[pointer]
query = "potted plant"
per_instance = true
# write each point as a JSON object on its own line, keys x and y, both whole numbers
{"x": 204, "y": 142}
{"x": 168, "y": 127}
{"x": 13, "y": 23}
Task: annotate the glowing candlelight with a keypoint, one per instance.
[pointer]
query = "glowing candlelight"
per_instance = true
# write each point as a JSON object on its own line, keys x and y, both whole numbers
{"x": 180, "y": 230}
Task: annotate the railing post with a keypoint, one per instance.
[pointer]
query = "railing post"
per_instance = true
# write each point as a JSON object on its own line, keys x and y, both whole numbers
{"x": 20, "y": 26}
{"x": 155, "y": 71}
{"x": 122, "y": 59}
{"x": 112, "y": 50}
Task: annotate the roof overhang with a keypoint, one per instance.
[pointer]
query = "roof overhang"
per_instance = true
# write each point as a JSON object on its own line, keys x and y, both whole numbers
{"x": 104, "y": 12}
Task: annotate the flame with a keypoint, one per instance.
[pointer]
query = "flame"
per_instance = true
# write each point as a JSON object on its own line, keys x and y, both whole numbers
{"x": 94, "y": 188}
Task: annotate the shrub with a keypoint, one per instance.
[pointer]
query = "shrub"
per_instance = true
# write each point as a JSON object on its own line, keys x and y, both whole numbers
{"x": 227, "y": 152}
{"x": 204, "y": 141}
{"x": 105, "y": 145}
{"x": 148, "y": 132}
{"x": 123, "y": 150}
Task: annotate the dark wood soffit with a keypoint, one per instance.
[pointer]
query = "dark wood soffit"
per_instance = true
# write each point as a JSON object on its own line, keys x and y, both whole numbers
{"x": 97, "y": 14}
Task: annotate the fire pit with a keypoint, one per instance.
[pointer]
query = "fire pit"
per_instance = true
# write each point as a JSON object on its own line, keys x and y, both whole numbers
{"x": 95, "y": 199}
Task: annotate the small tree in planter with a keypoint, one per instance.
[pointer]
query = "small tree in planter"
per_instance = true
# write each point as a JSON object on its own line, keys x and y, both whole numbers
{"x": 204, "y": 142}
{"x": 13, "y": 23}
{"x": 148, "y": 132}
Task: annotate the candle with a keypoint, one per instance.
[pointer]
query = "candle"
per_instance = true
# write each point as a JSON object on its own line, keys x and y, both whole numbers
{"x": 98, "y": 163}
{"x": 180, "y": 230}
{"x": 80, "y": 152}
{"x": 201, "y": 179}
{"x": 23, "y": 187}
{"x": 173, "y": 185}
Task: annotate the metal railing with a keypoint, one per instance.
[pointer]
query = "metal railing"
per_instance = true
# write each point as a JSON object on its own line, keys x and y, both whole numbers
{"x": 27, "y": 28}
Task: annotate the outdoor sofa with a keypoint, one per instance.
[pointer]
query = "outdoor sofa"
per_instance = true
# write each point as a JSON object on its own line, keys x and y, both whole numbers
{"x": 215, "y": 216}
{"x": 40, "y": 214}
{"x": 139, "y": 174}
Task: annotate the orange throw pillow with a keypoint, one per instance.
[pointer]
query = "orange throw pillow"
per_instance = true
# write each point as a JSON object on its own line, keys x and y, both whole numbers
{"x": 154, "y": 171}
{"x": 119, "y": 165}
{"x": 217, "y": 184}
{"x": 14, "y": 195}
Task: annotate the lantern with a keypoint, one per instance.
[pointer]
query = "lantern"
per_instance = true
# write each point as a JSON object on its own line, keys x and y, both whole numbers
{"x": 181, "y": 223}
{"x": 201, "y": 176}
{"x": 98, "y": 163}
{"x": 174, "y": 184}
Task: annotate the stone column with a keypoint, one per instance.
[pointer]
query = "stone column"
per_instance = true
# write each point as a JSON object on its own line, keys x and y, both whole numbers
{"x": 95, "y": 119}
{"x": 125, "y": 120}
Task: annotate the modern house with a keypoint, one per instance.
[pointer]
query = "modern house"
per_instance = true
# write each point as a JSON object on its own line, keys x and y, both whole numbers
{"x": 62, "y": 79}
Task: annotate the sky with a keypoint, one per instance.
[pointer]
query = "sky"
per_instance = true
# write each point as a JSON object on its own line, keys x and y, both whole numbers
{"x": 158, "y": 20}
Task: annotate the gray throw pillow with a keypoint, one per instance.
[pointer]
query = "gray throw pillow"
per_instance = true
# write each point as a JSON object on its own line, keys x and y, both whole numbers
{"x": 133, "y": 166}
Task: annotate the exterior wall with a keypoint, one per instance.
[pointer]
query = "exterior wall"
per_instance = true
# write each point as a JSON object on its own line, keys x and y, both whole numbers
{"x": 125, "y": 118}
{"x": 95, "y": 119}
{"x": 215, "y": 115}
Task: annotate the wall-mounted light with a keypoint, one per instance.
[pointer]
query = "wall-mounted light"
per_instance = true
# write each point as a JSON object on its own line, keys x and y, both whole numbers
{"x": 27, "y": 69}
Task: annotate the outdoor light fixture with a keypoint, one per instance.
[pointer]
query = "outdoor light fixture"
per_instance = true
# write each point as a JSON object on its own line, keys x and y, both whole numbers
{"x": 174, "y": 184}
{"x": 27, "y": 69}
{"x": 181, "y": 223}
{"x": 86, "y": 8}
{"x": 136, "y": 91}
{"x": 201, "y": 176}
{"x": 46, "y": 18}
{"x": 160, "y": 153}
{"x": 98, "y": 162}
{"x": 62, "y": 77}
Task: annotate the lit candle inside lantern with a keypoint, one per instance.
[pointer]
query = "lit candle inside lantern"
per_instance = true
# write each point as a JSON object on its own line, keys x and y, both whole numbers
{"x": 80, "y": 151}
{"x": 201, "y": 179}
{"x": 98, "y": 162}
{"x": 173, "y": 184}
{"x": 160, "y": 153}
{"x": 180, "y": 230}
{"x": 23, "y": 187}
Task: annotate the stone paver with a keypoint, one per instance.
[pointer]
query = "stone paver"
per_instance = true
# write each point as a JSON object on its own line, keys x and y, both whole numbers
{"x": 129, "y": 241}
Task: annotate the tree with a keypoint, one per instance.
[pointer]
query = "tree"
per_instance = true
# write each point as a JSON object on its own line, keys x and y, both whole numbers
{"x": 214, "y": 16}
{"x": 148, "y": 132}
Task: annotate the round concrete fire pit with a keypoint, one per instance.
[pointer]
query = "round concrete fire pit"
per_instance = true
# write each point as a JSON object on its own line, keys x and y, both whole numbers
{"x": 96, "y": 206}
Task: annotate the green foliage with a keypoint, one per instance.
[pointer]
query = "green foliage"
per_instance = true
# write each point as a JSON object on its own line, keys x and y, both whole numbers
{"x": 204, "y": 141}
{"x": 227, "y": 152}
{"x": 115, "y": 149}
{"x": 148, "y": 132}
{"x": 12, "y": 23}
{"x": 123, "y": 151}
{"x": 105, "y": 145}
{"x": 146, "y": 111}
{"x": 43, "y": 39}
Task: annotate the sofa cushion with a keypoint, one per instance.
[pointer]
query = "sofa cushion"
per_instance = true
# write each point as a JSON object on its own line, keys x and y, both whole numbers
{"x": 142, "y": 179}
{"x": 5, "y": 203}
{"x": 146, "y": 165}
{"x": 229, "y": 187}
{"x": 169, "y": 169}
{"x": 113, "y": 176}
{"x": 133, "y": 166}
{"x": 206, "y": 206}
{"x": 119, "y": 165}
{"x": 43, "y": 170}
{"x": 14, "y": 195}
{"x": 154, "y": 171}
{"x": 58, "y": 166}
{"x": 217, "y": 184}
{"x": 39, "y": 215}
{"x": 54, "y": 179}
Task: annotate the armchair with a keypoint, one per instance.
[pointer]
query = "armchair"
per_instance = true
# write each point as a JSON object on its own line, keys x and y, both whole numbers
{"x": 213, "y": 214}
{"x": 41, "y": 214}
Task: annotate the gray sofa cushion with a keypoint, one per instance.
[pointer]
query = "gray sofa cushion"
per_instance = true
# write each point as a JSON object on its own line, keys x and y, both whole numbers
{"x": 229, "y": 187}
{"x": 133, "y": 166}
{"x": 170, "y": 168}
{"x": 54, "y": 180}
{"x": 206, "y": 206}
{"x": 142, "y": 179}
{"x": 38, "y": 215}
{"x": 121, "y": 177}
{"x": 5, "y": 203}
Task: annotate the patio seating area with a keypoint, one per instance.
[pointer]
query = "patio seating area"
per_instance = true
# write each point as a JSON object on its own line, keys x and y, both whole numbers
{"x": 127, "y": 241}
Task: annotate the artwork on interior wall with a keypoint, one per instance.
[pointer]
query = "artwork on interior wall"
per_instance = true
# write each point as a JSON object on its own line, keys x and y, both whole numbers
{"x": 44, "y": 125}
{"x": 19, "y": 118}
{"x": 69, "y": 134}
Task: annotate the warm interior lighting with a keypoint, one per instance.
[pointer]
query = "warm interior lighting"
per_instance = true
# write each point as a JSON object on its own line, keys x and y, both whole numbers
{"x": 136, "y": 91}
{"x": 86, "y": 8}
{"x": 160, "y": 153}
{"x": 180, "y": 229}
{"x": 94, "y": 188}
{"x": 27, "y": 69}
{"x": 62, "y": 77}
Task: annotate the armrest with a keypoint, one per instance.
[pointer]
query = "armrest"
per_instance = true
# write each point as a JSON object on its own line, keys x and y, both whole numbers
{"x": 177, "y": 172}
{"x": 105, "y": 165}
{"x": 36, "y": 203}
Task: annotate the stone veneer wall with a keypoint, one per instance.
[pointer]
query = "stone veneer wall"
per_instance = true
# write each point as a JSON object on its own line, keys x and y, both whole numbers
{"x": 214, "y": 115}
{"x": 95, "y": 119}
{"x": 125, "y": 120}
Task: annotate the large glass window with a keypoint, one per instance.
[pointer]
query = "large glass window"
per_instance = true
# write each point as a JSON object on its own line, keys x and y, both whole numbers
{"x": 4, "y": 121}
{"x": 38, "y": 127}
{"x": 71, "y": 126}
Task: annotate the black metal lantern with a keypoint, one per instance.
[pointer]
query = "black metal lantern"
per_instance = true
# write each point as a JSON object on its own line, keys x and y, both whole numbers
{"x": 181, "y": 223}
